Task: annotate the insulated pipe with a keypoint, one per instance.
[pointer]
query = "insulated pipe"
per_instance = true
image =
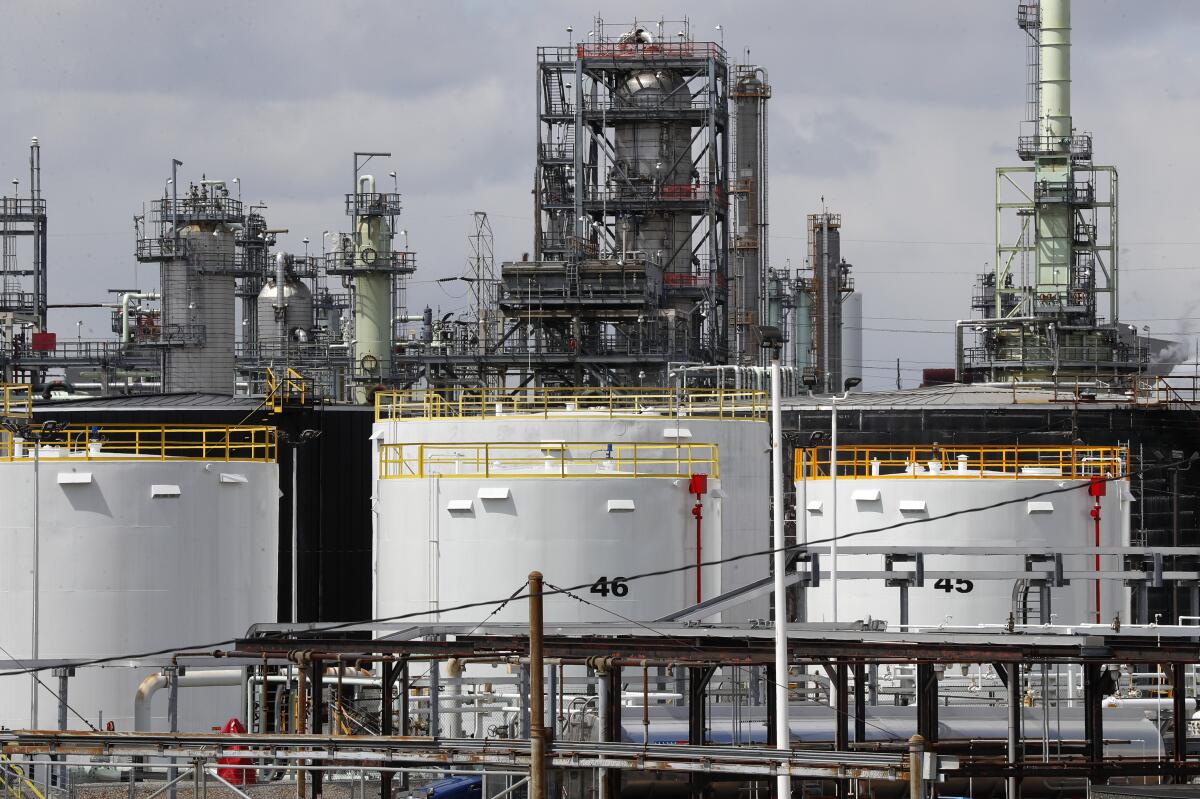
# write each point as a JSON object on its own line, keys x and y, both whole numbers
{"x": 203, "y": 678}
{"x": 280, "y": 277}
{"x": 125, "y": 299}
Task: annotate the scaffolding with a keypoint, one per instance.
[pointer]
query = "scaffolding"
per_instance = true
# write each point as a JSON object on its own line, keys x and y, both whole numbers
{"x": 1049, "y": 308}
{"x": 23, "y": 265}
{"x": 630, "y": 265}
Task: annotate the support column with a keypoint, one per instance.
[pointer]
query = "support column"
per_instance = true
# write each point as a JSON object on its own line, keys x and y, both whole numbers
{"x": 385, "y": 722}
{"x": 927, "y": 703}
{"x": 698, "y": 678}
{"x": 1013, "y": 678}
{"x": 1093, "y": 721}
{"x": 841, "y": 712}
{"x": 537, "y": 693}
{"x": 841, "y": 716}
{"x": 860, "y": 702}
{"x": 318, "y": 717}
{"x": 405, "y": 729}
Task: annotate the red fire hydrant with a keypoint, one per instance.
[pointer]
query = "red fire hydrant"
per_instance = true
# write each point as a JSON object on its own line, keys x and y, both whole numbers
{"x": 235, "y": 771}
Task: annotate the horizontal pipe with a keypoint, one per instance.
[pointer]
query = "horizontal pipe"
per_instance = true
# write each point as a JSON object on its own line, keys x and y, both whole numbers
{"x": 206, "y": 678}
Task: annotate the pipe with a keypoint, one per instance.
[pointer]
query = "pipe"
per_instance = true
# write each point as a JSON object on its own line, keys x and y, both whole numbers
{"x": 783, "y": 742}
{"x": 698, "y": 512}
{"x": 125, "y": 298}
{"x": 200, "y": 678}
{"x": 280, "y": 303}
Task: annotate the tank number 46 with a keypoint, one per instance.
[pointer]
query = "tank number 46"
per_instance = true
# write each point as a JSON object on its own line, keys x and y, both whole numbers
{"x": 616, "y": 586}
{"x": 948, "y": 585}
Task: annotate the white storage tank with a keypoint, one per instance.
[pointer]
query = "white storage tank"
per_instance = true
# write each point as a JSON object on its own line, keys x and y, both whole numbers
{"x": 474, "y": 493}
{"x": 883, "y": 486}
{"x": 147, "y": 538}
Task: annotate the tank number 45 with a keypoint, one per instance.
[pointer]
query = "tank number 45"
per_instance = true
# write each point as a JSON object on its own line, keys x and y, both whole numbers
{"x": 948, "y": 585}
{"x": 616, "y": 586}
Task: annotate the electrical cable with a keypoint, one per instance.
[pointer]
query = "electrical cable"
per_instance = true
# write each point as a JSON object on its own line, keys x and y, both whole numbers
{"x": 52, "y": 692}
{"x": 631, "y": 578}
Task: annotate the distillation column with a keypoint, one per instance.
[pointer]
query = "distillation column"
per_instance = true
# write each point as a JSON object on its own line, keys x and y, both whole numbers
{"x": 1053, "y": 168}
{"x": 372, "y": 287}
{"x": 749, "y": 196}
{"x": 197, "y": 287}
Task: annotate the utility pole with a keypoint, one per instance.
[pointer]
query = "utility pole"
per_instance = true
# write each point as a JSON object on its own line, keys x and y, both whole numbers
{"x": 537, "y": 710}
{"x": 897, "y": 374}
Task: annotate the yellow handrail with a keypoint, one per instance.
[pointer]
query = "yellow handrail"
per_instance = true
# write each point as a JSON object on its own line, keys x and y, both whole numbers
{"x": 7, "y": 764}
{"x": 547, "y": 459}
{"x": 278, "y": 390}
{"x": 227, "y": 443}
{"x": 965, "y": 462}
{"x": 17, "y": 402}
{"x": 483, "y": 403}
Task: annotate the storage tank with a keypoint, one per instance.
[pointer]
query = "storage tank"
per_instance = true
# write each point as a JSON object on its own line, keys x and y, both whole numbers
{"x": 967, "y": 581}
{"x": 284, "y": 318}
{"x": 146, "y": 539}
{"x": 476, "y": 491}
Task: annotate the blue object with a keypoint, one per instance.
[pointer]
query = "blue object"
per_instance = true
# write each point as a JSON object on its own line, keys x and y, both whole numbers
{"x": 460, "y": 787}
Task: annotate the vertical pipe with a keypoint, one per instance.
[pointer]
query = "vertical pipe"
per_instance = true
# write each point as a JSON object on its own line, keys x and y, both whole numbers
{"x": 783, "y": 781}
{"x": 802, "y": 531}
{"x": 454, "y": 671}
{"x": 537, "y": 731}
{"x": 605, "y": 717}
{"x": 36, "y": 588}
{"x": 173, "y": 713}
{"x": 1179, "y": 703}
{"x": 552, "y": 707}
{"x": 916, "y": 753}
{"x": 833, "y": 503}
{"x": 301, "y": 719}
{"x": 295, "y": 537}
{"x": 435, "y": 698}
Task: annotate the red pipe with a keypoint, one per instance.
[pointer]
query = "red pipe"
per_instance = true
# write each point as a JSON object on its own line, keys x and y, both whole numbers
{"x": 1097, "y": 490}
{"x": 697, "y": 511}
{"x": 1096, "y": 516}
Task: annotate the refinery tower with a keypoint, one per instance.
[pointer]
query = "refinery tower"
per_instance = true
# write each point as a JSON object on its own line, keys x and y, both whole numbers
{"x": 1049, "y": 307}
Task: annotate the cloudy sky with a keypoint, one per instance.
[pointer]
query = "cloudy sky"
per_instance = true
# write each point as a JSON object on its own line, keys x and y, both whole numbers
{"x": 895, "y": 112}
